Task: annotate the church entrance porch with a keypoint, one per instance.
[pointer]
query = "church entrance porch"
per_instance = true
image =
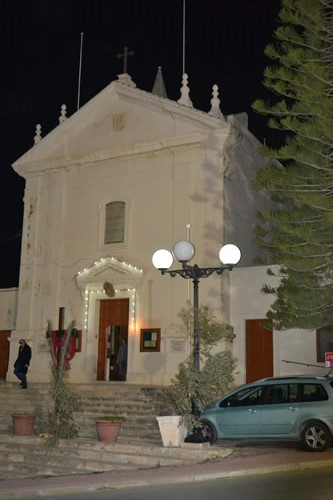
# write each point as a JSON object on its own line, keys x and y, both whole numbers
{"x": 113, "y": 339}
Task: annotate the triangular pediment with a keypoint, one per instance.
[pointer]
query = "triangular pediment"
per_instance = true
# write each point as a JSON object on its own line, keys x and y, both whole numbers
{"x": 109, "y": 270}
{"x": 119, "y": 121}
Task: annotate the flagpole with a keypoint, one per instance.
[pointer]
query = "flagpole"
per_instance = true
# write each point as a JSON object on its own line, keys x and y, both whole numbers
{"x": 80, "y": 69}
{"x": 183, "y": 36}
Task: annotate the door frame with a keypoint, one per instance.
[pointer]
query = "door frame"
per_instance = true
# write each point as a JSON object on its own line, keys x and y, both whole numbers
{"x": 113, "y": 313}
{"x": 92, "y": 295}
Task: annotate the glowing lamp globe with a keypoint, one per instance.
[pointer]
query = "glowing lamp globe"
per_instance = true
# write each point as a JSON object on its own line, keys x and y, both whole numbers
{"x": 230, "y": 255}
{"x": 162, "y": 259}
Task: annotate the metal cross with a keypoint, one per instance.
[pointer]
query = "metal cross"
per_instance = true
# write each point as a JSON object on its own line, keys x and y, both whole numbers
{"x": 125, "y": 55}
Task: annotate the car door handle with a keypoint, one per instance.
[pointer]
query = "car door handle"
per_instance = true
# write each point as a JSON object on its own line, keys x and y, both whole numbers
{"x": 252, "y": 411}
{"x": 292, "y": 408}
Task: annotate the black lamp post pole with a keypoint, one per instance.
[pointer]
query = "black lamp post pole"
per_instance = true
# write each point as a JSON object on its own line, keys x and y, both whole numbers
{"x": 195, "y": 273}
{"x": 196, "y": 330}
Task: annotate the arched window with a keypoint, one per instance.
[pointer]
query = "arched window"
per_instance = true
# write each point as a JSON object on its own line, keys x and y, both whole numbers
{"x": 114, "y": 222}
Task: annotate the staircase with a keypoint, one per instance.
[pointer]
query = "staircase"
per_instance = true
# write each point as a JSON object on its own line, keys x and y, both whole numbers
{"x": 29, "y": 457}
{"x": 139, "y": 444}
{"x": 140, "y": 406}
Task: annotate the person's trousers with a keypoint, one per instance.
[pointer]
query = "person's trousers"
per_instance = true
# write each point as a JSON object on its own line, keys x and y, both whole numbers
{"x": 122, "y": 370}
{"x": 21, "y": 375}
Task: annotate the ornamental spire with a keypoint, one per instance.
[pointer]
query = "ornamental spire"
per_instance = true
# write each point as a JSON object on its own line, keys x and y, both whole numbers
{"x": 215, "y": 102}
{"x": 63, "y": 113}
{"x": 38, "y": 133}
{"x": 185, "y": 93}
{"x": 159, "y": 87}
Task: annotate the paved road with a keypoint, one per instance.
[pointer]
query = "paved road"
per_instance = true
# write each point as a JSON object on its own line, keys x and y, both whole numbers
{"x": 300, "y": 485}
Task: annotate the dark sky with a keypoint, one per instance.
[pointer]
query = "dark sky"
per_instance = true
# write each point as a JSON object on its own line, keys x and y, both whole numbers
{"x": 40, "y": 48}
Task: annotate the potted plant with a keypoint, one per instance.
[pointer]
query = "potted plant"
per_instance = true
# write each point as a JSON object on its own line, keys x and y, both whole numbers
{"x": 187, "y": 386}
{"x": 173, "y": 430}
{"x": 108, "y": 427}
{"x": 23, "y": 424}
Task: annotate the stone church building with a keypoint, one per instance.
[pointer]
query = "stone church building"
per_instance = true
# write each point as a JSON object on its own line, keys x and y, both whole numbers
{"x": 128, "y": 173}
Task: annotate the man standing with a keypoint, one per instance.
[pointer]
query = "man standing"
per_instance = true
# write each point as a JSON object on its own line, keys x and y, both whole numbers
{"x": 22, "y": 363}
{"x": 122, "y": 360}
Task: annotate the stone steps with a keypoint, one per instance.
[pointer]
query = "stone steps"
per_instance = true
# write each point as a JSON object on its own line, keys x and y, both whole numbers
{"x": 140, "y": 406}
{"x": 139, "y": 444}
{"x": 29, "y": 456}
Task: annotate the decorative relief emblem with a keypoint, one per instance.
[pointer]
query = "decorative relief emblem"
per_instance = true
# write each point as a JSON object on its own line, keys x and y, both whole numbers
{"x": 119, "y": 121}
{"x": 109, "y": 289}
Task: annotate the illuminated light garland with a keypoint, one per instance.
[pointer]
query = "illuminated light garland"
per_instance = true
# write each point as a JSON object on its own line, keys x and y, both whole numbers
{"x": 89, "y": 293}
{"x": 98, "y": 266}
{"x": 105, "y": 260}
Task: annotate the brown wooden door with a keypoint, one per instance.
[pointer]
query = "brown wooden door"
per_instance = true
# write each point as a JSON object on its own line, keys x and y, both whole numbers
{"x": 259, "y": 349}
{"x": 4, "y": 353}
{"x": 113, "y": 327}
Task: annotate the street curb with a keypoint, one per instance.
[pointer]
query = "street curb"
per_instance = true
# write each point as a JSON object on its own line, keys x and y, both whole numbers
{"x": 43, "y": 490}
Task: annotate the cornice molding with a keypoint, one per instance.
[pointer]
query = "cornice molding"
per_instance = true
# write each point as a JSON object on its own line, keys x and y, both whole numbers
{"x": 170, "y": 144}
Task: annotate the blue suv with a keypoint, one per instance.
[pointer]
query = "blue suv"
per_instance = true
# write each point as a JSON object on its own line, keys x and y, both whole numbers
{"x": 296, "y": 408}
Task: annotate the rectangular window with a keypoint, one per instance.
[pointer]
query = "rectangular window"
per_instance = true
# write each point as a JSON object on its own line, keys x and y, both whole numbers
{"x": 276, "y": 394}
{"x": 114, "y": 222}
{"x": 314, "y": 392}
{"x": 293, "y": 393}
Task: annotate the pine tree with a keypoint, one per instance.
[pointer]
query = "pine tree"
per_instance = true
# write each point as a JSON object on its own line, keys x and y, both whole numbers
{"x": 298, "y": 232}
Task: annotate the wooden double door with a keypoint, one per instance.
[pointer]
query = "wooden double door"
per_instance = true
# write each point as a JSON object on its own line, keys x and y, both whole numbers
{"x": 113, "y": 333}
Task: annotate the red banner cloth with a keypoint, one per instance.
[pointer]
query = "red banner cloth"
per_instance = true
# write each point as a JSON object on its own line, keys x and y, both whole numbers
{"x": 58, "y": 341}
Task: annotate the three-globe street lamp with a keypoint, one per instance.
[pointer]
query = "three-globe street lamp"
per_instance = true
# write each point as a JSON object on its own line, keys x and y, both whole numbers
{"x": 184, "y": 251}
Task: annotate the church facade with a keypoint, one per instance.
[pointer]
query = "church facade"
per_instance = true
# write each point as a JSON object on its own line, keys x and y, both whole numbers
{"x": 128, "y": 173}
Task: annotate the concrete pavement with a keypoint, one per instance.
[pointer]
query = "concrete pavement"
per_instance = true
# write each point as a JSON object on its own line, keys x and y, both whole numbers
{"x": 247, "y": 458}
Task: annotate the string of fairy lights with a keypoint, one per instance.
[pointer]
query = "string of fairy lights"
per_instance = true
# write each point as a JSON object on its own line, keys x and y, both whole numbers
{"x": 90, "y": 293}
{"x": 104, "y": 261}
{"x": 93, "y": 291}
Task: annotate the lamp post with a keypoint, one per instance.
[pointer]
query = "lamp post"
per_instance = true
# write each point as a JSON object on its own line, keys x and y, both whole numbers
{"x": 184, "y": 251}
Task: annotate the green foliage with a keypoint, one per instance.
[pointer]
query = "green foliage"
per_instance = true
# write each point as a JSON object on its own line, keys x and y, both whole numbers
{"x": 297, "y": 233}
{"x": 216, "y": 374}
{"x": 211, "y": 330}
{"x": 60, "y": 422}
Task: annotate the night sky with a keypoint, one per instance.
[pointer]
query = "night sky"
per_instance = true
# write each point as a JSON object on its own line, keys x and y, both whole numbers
{"x": 40, "y": 53}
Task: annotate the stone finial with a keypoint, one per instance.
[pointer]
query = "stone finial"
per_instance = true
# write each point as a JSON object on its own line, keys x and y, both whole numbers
{"x": 126, "y": 79}
{"x": 215, "y": 102}
{"x": 63, "y": 113}
{"x": 38, "y": 133}
{"x": 159, "y": 87}
{"x": 185, "y": 93}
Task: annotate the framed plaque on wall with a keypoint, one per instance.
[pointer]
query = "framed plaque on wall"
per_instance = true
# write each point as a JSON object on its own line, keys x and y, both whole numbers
{"x": 150, "y": 340}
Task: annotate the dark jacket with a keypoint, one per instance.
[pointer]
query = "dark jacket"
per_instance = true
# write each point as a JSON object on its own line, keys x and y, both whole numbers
{"x": 24, "y": 356}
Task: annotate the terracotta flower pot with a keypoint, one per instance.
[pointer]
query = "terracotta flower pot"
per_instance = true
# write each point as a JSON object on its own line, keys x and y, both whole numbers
{"x": 107, "y": 431}
{"x": 23, "y": 424}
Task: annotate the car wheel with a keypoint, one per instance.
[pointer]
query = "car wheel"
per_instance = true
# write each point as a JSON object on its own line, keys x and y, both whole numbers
{"x": 316, "y": 436}
{"x": 208, "y": 431}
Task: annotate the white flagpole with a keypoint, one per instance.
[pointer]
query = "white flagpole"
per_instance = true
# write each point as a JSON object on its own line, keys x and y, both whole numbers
{"x": 183, "y": 36}
{"x": 80, "y": 68}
